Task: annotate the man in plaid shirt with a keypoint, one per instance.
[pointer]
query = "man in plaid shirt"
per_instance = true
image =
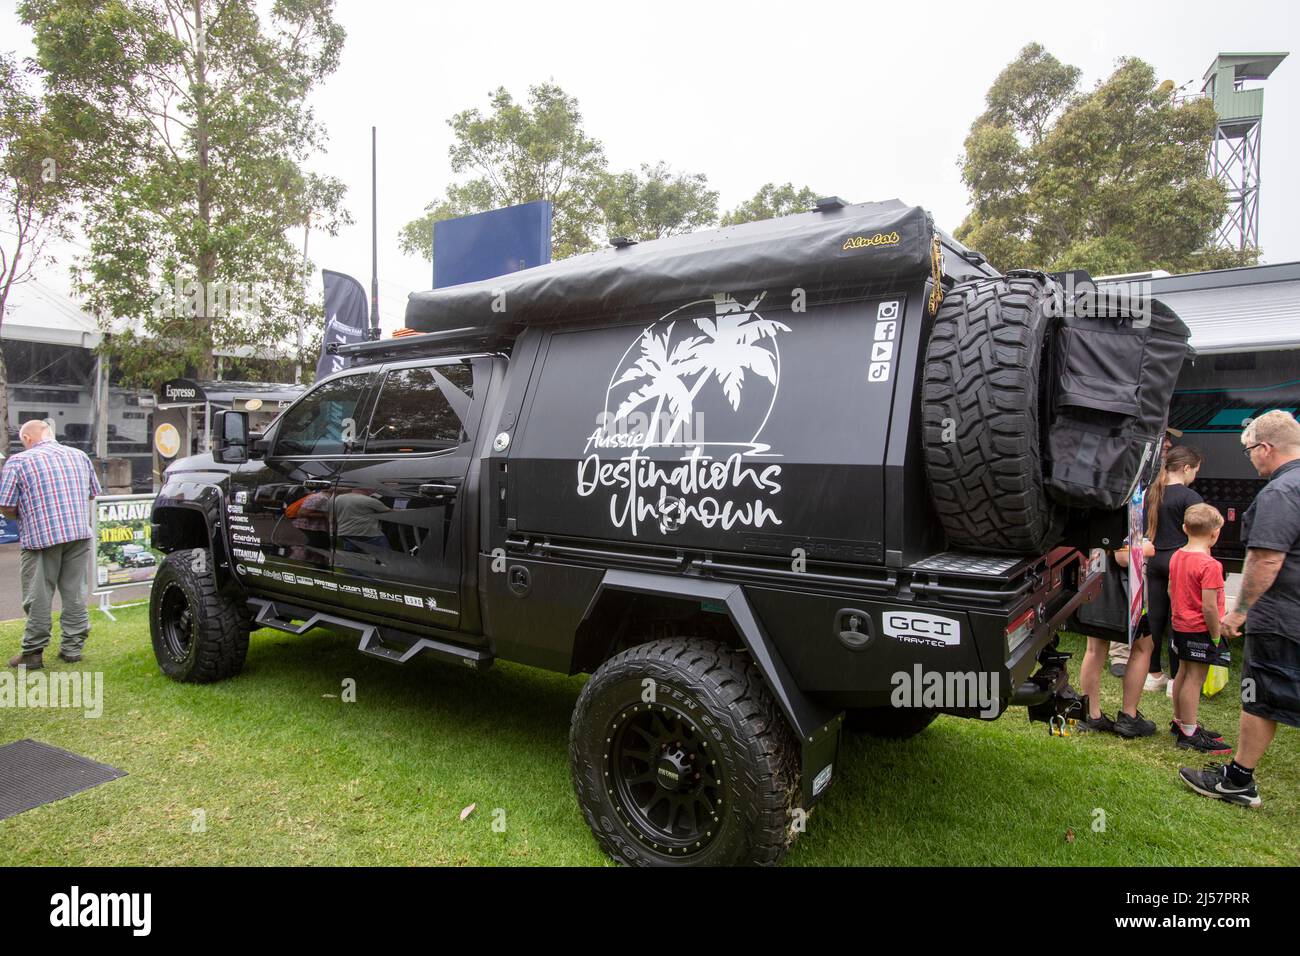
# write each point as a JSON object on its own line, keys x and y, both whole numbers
{"x": 49, "y": 488}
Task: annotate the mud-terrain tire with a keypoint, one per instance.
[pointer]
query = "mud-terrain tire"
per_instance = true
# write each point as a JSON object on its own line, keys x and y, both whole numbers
{"x": 983, "y": 402}
{"x": 200, "y": 633}
{"x": 635, "y": 763}
{"x": 889, "y": 723}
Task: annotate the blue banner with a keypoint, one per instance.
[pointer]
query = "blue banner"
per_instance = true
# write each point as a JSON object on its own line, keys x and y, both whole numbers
{"x": 491, "y": 244}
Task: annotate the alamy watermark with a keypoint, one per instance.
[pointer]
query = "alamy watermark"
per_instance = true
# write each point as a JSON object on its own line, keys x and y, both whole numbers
{"x": 947, "y": 690}
{"x": 209, "y": 300}
{"x": 61, "y": 690}
{"x": 1085, "y": 298}
{"x": 74, "y": 908}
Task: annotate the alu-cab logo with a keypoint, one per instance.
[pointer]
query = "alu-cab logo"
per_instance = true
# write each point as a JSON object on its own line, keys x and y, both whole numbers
{"x": 701, "y": 380}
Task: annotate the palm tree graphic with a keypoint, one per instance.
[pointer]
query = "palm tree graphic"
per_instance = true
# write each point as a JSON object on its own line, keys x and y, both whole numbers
{"x": 665, "y": 371}
{"x": 728, "y": 349}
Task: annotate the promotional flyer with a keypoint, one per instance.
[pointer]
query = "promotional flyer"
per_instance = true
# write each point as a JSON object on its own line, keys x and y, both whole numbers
{"x": 123, "y": 552}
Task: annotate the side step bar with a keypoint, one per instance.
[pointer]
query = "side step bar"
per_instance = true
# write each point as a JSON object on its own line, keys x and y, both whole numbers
{"x": 266, "y": 614}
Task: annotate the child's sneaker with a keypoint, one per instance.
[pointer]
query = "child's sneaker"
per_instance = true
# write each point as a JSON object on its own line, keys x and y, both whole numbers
{"x": 1202, "y": 741}
{"x": 1156, "y": 682}
{"x": 1213, "y": 782}
{"x": 1175, "y": 730}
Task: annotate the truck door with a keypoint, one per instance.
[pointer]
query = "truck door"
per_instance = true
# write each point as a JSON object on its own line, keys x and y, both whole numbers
{"x": 399, "y": 502}
{"x": 279, "y": 507}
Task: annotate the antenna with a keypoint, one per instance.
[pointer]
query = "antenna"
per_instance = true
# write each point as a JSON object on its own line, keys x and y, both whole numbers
{"x": 374, "y": 236}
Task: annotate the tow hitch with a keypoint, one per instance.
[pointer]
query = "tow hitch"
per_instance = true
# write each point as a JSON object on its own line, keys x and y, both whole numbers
{"x": 1049, "y": 696}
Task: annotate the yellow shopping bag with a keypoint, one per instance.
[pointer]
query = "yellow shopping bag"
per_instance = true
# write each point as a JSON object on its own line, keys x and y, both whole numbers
{"x": 1215, "y": 680}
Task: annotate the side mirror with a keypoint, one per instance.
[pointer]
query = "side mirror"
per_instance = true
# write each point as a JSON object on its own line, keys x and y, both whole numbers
{"x": 232, "y": 437}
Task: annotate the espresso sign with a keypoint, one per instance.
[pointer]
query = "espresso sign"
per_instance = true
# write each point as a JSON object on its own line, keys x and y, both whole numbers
{"x": 182, "y": 391}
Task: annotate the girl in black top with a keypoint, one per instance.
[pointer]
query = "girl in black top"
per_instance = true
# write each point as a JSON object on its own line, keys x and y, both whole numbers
{"x": 1167, "y": 500}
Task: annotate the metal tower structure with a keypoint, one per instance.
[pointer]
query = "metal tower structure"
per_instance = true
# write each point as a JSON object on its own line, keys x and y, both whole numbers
{"x": 1234, "y": 152}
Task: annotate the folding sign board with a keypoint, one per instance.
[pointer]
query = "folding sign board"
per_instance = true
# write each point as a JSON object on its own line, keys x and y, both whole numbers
{"x": 491, "y": 244}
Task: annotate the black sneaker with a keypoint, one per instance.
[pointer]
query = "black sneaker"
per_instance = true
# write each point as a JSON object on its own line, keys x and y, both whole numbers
{"x": 1213, "y": 782}
{"x": 1118, "y": 668}
{"x": 1202, "y": 741}
{"x": 1101, "y": 725}
{"x": 1175, "y": 731}
{"x": 1131, "y": 727}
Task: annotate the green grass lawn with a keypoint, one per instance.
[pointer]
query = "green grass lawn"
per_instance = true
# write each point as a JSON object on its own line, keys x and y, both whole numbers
{"x": 287, "y": 773}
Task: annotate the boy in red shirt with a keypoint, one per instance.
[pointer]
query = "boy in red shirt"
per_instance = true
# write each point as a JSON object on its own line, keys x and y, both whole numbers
{"x": 1198, "y": 605}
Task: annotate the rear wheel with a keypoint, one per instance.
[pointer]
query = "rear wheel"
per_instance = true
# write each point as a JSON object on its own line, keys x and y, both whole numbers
{"x": 982, "y": 406}
{"x": 199, "y": 632}
{"x": 681, "y": 757}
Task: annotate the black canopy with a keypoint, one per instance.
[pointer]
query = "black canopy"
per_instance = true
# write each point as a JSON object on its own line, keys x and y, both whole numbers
{"x": 851, "y": 244}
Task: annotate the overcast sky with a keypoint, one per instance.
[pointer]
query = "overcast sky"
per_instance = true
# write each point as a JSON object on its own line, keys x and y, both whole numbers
{"x": 857, "y": 99}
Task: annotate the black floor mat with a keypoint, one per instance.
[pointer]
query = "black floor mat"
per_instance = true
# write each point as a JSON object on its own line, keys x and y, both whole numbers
{"x": 33, "y": 774}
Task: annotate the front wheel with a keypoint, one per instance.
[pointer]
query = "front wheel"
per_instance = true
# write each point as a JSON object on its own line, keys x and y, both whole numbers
{"x": 681, "y": 757}
{"x": 199, "y": 632}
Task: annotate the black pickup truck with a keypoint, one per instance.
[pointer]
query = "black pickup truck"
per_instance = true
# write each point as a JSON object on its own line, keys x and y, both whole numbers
{"x": 759, "y": 482}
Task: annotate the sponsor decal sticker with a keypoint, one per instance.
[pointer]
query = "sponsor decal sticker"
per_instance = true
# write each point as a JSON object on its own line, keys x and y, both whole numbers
{"x": 716, "y": 359}
{"x": 822, "y": 780}
{"x": 932, "y": 630}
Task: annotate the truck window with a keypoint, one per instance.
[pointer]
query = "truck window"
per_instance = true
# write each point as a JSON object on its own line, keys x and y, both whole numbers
{"x": 414, "y": 413}
{"x": 318, "y": 424}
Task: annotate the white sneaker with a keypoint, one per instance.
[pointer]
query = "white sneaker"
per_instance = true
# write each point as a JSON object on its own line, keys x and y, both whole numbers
{"x": 1169, "y": 690}
{"x": 1156, "y": 682}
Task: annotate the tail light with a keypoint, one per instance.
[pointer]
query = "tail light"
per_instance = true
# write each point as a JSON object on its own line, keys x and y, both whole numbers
{"x": 1020, "y": 629}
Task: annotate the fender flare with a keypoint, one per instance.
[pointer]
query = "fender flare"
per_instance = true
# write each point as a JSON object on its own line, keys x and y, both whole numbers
{"x": 205, "y": 499}
{"x": 817, "y": 726}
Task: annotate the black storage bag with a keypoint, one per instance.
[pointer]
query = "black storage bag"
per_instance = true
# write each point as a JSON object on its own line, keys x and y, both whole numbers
{"x": 1113, "y": 379}
{"x": 1106, "y": 615}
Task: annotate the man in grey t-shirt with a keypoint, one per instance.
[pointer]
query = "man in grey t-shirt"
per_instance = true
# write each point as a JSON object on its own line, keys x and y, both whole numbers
{"x": 357, "y": 521}
{"x": 1269, "y": 607}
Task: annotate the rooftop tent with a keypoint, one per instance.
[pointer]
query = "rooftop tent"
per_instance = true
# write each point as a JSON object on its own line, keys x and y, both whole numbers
{"x": 844, "y": 244}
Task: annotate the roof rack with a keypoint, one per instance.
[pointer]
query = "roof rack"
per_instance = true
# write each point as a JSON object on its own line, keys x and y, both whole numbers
{"x": 424, "y": 343}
